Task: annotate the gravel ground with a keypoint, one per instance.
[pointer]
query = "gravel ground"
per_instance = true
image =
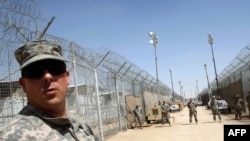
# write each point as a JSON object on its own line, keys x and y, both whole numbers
{"x": 181, "y": 129}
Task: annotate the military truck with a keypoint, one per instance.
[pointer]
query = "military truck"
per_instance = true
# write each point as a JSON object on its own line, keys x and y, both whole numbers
{"x": 153, "y": 114}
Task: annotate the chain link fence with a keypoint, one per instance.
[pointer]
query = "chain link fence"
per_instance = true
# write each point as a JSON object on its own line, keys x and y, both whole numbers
{"x": 105, "y": 86}
{"x": 233, "y": 80}
{"x": 104, "y": 89}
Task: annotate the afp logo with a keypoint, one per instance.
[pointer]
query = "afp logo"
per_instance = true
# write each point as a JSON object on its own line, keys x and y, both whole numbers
{"x": 232, "y": 132}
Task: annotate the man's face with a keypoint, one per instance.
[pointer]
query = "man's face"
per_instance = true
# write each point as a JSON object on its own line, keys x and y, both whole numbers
{"x": 45, "y": 84}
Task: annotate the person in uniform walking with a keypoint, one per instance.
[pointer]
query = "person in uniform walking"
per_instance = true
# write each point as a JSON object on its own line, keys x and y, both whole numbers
{"x": 215, "y": 108}
{"x": 45, "y": 79}
{"x": 248, "y": 103}
{"x": 192, "y": 110}
{"x": 238, "y": 107}
{"x": 138, "y": 113}
{"x": 165, "y": 115}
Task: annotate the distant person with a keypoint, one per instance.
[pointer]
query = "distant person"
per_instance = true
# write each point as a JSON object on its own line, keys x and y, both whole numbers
{"x": 165, "y": 113}
{"x": 238, "y": 107}
{"x": 215, "y": 108}
{"x": 180, "y": 106}
{"x": 192, "y": 110}
{"x": 138, "y": 113}
{"x": 248, "y": 103}
{"x": 45, "y": 79}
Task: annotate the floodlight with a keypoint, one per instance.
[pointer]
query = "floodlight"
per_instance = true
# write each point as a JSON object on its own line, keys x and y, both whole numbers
{"x": 150, "y": 33}
{"x": 154, "y": 42}
{"x": 210, "y": 39}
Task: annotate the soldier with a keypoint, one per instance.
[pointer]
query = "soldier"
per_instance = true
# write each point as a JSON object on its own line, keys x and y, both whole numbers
{"x": 165, "y": 113}
{"x": 45, "y": 80}
{"x": 238, "y": 107}
{"x": 215, "y": 109}
{"x": 137, "y": 113}
{"x": 248, "y": 103}
{"x": 192, "y": 110}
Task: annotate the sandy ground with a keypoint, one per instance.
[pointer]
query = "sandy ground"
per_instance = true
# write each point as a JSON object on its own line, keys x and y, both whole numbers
{"x": 181, "y": 129}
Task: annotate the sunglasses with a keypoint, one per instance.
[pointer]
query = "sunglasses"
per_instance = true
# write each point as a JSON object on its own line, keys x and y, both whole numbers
{"x": 37, "y": 71}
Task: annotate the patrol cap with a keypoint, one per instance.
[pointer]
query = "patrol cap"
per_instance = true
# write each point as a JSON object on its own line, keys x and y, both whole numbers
{"x": 34, "y": 51}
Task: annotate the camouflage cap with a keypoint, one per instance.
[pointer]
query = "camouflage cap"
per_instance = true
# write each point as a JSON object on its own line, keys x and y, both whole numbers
{"x": 36, "y": 51}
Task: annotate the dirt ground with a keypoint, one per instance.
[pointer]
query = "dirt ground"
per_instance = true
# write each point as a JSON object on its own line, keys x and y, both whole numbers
{"x": 181, "y": 129}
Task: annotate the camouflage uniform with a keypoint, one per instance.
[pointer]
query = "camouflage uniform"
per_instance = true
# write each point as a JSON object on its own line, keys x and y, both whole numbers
{"x": 165, "y": 113}
{"x": 137, "y": 113}
{"x": 192, "y": 111}
{"x": 32, "y": 125}
{"x": 215, "y": 109}
{"x": 238, "y": 107}
{"x": 248, "y": 103}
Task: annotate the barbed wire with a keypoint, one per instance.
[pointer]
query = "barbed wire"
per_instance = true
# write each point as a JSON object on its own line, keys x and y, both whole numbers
{"x": 20, "y": 20}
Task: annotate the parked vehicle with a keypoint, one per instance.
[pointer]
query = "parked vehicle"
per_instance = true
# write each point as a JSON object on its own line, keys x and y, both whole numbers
{"x": 174, "y": 108}
{"x": 199, "y": 103}
{"x": 208, "y": 104}
{"x": 153, "y": 114}
{"x": 223, "y": 106}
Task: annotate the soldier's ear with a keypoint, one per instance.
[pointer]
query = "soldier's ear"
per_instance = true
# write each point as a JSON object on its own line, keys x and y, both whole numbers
{"x": 22, "y": 83}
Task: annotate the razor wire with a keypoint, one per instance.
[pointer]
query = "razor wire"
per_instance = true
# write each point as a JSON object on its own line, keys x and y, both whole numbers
{"x": 21, "y": 20}
{"x": 233, "y": 71}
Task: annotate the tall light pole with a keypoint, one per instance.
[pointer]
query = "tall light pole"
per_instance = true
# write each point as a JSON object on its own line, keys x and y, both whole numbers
{"x": 184, "y": 96}
{"x": 211, "y": 41}
{"x": 181, "y": 91}
{"x": 173, "y": 96}
{"x": 209, "y": 89}
{"x": 154, "y": 42}
{"x": 197, "y": 87}
{"x": 191, "y": 93}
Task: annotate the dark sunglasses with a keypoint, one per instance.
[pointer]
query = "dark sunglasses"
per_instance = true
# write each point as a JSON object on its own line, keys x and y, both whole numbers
{"x": 37, "y": 71}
